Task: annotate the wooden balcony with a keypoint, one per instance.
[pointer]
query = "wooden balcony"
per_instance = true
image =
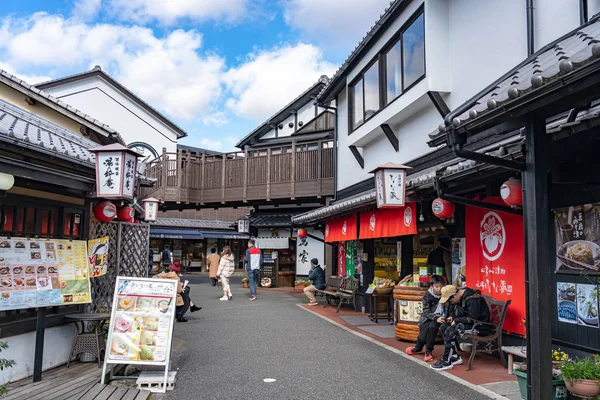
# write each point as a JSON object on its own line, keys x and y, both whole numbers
{"x": 284, "y": 174}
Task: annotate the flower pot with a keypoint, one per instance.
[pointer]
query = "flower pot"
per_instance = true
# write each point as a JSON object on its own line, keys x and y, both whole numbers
{"x": 583, "y": 388}
{"x": 558, "y": 386}
{"x": 299, "y": 288}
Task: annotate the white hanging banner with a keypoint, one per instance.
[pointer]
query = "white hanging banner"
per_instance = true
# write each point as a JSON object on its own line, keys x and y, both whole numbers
{"x": 272, "y": 242}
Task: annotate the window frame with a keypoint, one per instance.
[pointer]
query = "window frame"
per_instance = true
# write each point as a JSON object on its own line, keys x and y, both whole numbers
{"x": 381, "y": 58}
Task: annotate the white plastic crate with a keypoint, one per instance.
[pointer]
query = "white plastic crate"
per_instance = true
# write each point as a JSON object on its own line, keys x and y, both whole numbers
{"x": 153, "y": 381}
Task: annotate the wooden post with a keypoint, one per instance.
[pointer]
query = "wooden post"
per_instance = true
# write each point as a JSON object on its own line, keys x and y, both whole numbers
{"x": 293, "y": 172}
{"x": 245, "y": 189}
{"x": 186, "y": 176}
{"x": 319, "y": 169}
{"x": 202, "y": 184}
{"x": 538, "y": 261}
{"x": 165, "y": 176}
{"x": 269, "y": 155}
{"x": 223, "y": 180}
{"x": 40, "y": 330}
{"x": 179, "y": 173}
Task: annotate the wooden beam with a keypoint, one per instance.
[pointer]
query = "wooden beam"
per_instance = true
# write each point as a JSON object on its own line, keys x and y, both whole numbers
{"x": 202, "y": 178}
{"x": 223, "y": 170}
{"x": 245, "y": 183}
{"x": 391, "y": 136}
{"x": 269, "y": 156}
{"x": 319, "y": 168}
{"x": 358, "y": 156}
{"x": 293, "y": 172}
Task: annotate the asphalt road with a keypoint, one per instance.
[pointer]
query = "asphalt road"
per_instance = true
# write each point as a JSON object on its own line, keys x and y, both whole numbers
{"x": 226, "y": 350}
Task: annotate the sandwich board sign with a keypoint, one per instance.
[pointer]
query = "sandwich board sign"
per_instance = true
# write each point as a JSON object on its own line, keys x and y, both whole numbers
{"x": 141, "y": 323}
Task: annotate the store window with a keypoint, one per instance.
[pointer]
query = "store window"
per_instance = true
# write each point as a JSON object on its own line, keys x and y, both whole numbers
{"x": 402, "y": 64}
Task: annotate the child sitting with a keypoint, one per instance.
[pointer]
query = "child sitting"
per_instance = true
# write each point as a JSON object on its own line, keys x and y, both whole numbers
{"x": 429, "y": 323}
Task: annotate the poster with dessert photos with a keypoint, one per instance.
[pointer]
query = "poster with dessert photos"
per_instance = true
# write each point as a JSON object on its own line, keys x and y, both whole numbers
{"x": 141, "y": 321}
{"x": 43, "y": 273}
{"x": 578, "y": 239}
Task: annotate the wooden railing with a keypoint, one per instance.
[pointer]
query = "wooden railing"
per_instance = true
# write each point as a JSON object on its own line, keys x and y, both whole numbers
{"x": 290, "y": 172}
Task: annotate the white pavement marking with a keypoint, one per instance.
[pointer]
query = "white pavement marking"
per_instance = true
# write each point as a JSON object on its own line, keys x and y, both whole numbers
{"x": 456, "y": 379}
{"x": 269, "y": 380}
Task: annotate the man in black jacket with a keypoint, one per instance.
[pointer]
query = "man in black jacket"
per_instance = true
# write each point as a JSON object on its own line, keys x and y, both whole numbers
{"x": 465, "y": 306}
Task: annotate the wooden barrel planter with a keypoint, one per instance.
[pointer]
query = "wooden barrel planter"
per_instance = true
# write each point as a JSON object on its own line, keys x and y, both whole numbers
{"x": 407, "y": 330}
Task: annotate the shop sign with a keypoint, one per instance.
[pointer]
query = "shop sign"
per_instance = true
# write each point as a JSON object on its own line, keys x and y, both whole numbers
{"x": 116, "y": 166}
{"x": 388, "y": 222}
{"x": 578, "y": 239}
{"x": 150, "y": 209}
{"x": 243, "y": 225}
{"x": 390, "y": 185}
{"x": 495, "y": 260}
{"x": 98, "y": 256}
{"x": 308, "y": 248}
{"x": 342, "y": 259}
{"x": 350, "y": 248}
{"x": 141, "y": 322}
{"x": 341, "y": 230}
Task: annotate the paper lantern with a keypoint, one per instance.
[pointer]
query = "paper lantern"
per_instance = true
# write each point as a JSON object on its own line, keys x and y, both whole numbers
{"x": 302, "y": 233}
{"x": 442, "y": 208}
{"x": 116, "y": 166}
{"x": 126, "y": 214}
{"x": 390, "y": 185}
{"x": 511, "y": 192}
{"x": 150, "y": 209}
{"x": 105, "y": 211}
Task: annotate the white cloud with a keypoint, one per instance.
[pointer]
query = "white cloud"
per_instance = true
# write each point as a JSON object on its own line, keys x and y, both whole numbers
{"x": 86, "y": 9}
{"x": 333, "y": 23}
{"x": 29, "y": 78}
{"x": 169, "y": 12}
{"x": 170, "y": 73}
{"x": 268, "y": 80}
{"x": 215, "y": 119}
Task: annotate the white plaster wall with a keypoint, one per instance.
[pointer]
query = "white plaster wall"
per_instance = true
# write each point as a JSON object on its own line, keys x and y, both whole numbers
{"x": 306, "y": 113}
{"x": 314, "y": 248}
{"x": 97, "y": 98}
{"x": 286, "y": 130}
{"x": 269, "y": 135}
{"x": 57, "y": 346}
{"x": 554, "y": 18}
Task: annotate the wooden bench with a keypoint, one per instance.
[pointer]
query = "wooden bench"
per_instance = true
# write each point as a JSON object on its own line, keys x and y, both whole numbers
{"x": 490, "y": 342}
{"x": 333, "y": 285}
{"x": 345, "y": 294}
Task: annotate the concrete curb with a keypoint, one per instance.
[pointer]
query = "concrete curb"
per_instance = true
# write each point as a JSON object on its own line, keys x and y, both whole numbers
{"x": 456, "y": 379}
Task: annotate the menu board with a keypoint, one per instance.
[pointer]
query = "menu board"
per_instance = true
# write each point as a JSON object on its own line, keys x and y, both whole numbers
{"x": 41, "y": 273}
{"x": 410, "y": 310}
{"x": 141, "y": 322}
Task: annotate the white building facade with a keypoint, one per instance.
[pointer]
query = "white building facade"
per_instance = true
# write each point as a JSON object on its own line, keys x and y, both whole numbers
{"x": 448, "y": 50}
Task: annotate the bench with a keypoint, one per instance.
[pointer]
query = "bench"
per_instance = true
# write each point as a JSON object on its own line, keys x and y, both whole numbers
{"x": 333, "y": 285}
{"x": 345, "y": 294}
{"x": 491, "y": 342}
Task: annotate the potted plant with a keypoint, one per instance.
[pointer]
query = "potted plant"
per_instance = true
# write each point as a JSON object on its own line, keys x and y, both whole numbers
{"x": 582, "y": 376}
{"x": 559, "y": 390}
{"x": 245, "y": 282}
{"x": 301, "y": 284}
{"x": 558, "y": 357}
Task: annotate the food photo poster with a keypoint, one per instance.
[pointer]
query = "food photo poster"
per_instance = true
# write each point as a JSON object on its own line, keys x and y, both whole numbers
{"x": 578, "y": 304}
{"x": 578, "y": 239}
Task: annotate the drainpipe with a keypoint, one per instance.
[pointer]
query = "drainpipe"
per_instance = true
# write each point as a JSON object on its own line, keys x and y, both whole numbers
{"x": 530, "y": 30}
{"x": 583, "y": 12}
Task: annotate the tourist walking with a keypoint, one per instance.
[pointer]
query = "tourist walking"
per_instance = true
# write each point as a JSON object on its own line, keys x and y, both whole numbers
{"x": 213, "y": 266}
{"x": 317, "y": 276}
{"x": 166, "y": 258}
{"x": 226, "y": 268}
{"x": 253, "y": 262}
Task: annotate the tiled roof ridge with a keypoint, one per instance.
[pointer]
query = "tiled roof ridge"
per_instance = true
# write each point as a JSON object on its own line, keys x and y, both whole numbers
{"x": 322, "y": 80}
{"x": 97, "y": 70}
{"x": 38, "y": 93}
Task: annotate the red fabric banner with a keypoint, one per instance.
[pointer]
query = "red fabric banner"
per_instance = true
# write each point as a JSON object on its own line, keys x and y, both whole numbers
{"x": 389, "y": 222}
{"x": 495, "y": 264}
{"x": 342, "y": 259}
{"x": 341, "y": 230}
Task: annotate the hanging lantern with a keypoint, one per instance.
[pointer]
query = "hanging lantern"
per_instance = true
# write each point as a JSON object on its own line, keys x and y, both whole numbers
{"x": 116, "y": 166}
{"x": 150, "y": 209}
{"x": 390, "y": 185}
{"x": 136, "y": 221}
{"x": 511, "y": 192}
{"x": 302, "y": 233}
{"x": 126, "y": 214}
{"x": 105, "y": 211}
{"x": 442, "y": 208}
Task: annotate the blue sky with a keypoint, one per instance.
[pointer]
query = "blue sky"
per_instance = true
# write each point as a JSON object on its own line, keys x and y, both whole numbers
{"x": 216, "y": 68}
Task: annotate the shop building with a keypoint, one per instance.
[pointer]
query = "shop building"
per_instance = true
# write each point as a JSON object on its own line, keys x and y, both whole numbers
{"x": 47, "y": 174}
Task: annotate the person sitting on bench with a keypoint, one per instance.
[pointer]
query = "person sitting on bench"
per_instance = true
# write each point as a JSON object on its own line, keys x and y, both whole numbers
{"x": 317, "y": 276}
{"x": 465, "y": 305}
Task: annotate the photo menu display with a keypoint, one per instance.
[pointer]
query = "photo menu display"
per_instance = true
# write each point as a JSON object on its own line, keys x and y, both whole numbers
{"x": 142, "y": 320}
{"x": 40, "y": 273}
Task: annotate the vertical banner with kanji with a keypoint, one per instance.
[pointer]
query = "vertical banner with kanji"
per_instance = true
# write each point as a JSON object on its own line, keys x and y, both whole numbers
{"x": 350, "y": 258}
{"x": 495, "y": 260}
{"x": 341, "y": 259}
{"x": 98, "y": 256}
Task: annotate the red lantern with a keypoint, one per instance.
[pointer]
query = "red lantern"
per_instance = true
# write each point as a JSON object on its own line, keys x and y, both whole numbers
{"x": 442, "y": 208}
{"x": 136, "y": 221}
{"x": 105, "y": 211}
{"x": 302, "y": 233}
{"x": 511, "y": 192}
{"x": 126, "y": 214}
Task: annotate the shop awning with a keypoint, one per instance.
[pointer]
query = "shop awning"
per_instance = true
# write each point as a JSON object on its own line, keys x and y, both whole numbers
{"x": 272, "y": 242}
{"x": 341, "y": 230}
{"x": 173, "y": 233}
{"x": 392, "y": 222}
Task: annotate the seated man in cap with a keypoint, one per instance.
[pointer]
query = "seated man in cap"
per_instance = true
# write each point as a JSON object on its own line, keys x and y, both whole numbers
{"x": 461, "y": 308}
{"x": 317, "y": 276}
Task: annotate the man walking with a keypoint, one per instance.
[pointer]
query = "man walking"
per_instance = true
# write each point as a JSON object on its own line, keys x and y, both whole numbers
{"x": 166, "y": 258}
{"x": 213, "y": 265}
{"x": 253, "y": 262}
